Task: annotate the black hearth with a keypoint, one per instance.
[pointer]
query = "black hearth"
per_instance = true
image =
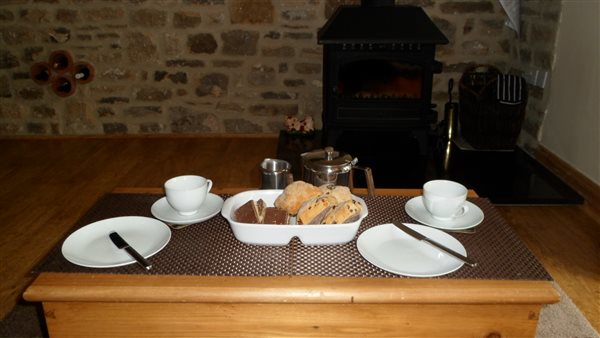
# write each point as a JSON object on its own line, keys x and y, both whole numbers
{"x": 505, "y": 177}
{"x": 378, "y": 66}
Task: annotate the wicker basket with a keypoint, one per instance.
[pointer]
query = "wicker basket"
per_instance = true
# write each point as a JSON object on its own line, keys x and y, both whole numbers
{"x": 485, "y": 122}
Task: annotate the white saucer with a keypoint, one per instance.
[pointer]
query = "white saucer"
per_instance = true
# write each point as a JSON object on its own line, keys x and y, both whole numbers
{"x": 162, "y": 210}
{"x": 416, "y": 209}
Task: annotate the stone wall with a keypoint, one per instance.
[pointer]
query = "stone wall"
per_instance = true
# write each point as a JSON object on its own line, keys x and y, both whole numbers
{"x": 213, "y": 66}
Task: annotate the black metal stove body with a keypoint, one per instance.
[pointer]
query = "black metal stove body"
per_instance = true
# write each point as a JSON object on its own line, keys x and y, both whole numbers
{"x": 378, "y": 66}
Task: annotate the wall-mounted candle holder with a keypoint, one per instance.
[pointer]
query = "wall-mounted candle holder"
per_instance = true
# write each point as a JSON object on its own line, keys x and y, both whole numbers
{"x": 84, "y": 72}
{"x": 41, "y": 73}
{"x": 61, "y": 61}
{"x": 62, "y": 73}
{"x": 63, "y": 86}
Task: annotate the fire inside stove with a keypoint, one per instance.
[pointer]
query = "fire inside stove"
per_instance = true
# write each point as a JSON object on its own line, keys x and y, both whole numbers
{"x": 380, "y": 79}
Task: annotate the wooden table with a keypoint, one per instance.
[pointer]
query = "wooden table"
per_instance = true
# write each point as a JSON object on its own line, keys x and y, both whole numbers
{"x": 105, "y": 305}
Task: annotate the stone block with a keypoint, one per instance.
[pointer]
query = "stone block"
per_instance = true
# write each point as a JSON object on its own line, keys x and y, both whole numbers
{"x": 77, "y": 120}
{"x": 307, "y": 68}
{"x": 203, "y": 2}
{"x": 228, "y": 63}
{"x": 186, "y": 20}
{"x": 261, "y": 75}
{"x": 230, "y": 106}
{"x": 113, "y": 100}
{"x": 299, "y": 14}
{"x": 240, "y": 125}
{"x": 153, "y": 94}
{"x": 149, "y": 18}
{"x": 36, "y": 128}
{"x": 32, "y": 54}
{"x": 143, "y": 111}
{"x": 316, "y": 53}
{"x": 9, "y": 128}
{"x": 493, "y": 27}
{"x": 140, "y": 48}
{"x": 273, "y": 35}
{"x": 43, "y": 112}
{"x": 251, "y": 11}
{"x": 186, "y": 120}
{"x": 299, "y": 35}
{"x": 67, "y": 15}
{"x": 10, "y": 111}
{"x": 542, "y": 32}
{"x": 294, "y": 82}
{"x": 5, "y": 87}
{"x": 543, "y": 59}
{"x": 332, "y": 5}
{"x": 283, "y": 51}
{"x": 6, "y": 15}
{"x": 103, "y": 14}
{"x": 215, "y": 84}
{"x": 239, "y": 42}
{"x": 34, "y": 16}
{"x": 278, "y": 95}
{"x": 160, "y": 75}
{"x": 185, "y": 63}
{"x": 202, "y": 43}
{"x": 273, "y": 109}
{"x": 59, "y": 35}
{"x": 151, "y": 128}
{"x": 18, "y": 35}
{"x": 105, "y": 112}
{"x": 475, "y": 47}
{"x": 113, "y": 128}
{"x": 458, "y": 7}
{"x": 31, "y": 93}
{"x": 179, "y": 77}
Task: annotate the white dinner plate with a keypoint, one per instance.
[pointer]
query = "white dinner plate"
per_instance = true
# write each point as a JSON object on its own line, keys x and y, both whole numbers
{"x": 391, "y": 249}
{"x": 91, "y": 247}
{"x": 416, "y": 210}
{"x": 162, "y": 210}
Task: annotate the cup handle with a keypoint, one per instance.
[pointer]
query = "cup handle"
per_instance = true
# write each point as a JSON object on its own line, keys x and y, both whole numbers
{"x": 209, "y": 183}
{"x": 463, "y": 210}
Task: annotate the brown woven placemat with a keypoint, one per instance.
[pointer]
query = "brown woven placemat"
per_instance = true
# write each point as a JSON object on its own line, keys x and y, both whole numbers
{"x": 210, "y": 248}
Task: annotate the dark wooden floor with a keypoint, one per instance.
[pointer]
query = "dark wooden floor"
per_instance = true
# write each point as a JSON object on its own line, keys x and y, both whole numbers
{"x": 47, "y": 184}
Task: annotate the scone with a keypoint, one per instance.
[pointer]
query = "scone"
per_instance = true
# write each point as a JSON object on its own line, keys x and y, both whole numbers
{"x": 345, "y": 212}
{"x": 314, "y": 210}
{"x": 294, "y": 195}
{"x": 340, "y": 192}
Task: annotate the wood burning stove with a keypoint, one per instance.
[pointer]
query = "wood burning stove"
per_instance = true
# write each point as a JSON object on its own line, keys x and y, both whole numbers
{"x": 378, "y": 66}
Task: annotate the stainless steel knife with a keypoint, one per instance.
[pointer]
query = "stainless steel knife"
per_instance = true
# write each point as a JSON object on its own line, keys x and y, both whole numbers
{"x": 430, "y": 241}
{"x": 120, "y": 243}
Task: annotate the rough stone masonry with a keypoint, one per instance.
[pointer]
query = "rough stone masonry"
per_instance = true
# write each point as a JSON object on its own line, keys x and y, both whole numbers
{"x": 214, "y": 66}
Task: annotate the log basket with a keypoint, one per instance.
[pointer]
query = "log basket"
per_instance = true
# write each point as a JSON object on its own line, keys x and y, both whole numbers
{"x": 485, "y": 122}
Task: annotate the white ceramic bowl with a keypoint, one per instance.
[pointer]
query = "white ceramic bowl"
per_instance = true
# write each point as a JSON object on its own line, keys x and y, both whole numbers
{"x": 274, "y": 234}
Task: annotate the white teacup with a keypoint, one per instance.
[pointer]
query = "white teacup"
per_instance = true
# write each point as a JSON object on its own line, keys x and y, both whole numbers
{"x": 445, "y": 199}
{"x": 186, "y": 193}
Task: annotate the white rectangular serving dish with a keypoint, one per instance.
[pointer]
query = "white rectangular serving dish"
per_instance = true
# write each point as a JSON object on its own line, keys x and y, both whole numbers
{"x": 275, "y": 234}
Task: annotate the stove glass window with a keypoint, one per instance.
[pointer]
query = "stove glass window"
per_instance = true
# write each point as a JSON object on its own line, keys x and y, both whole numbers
{"x": 380, "y": 79}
